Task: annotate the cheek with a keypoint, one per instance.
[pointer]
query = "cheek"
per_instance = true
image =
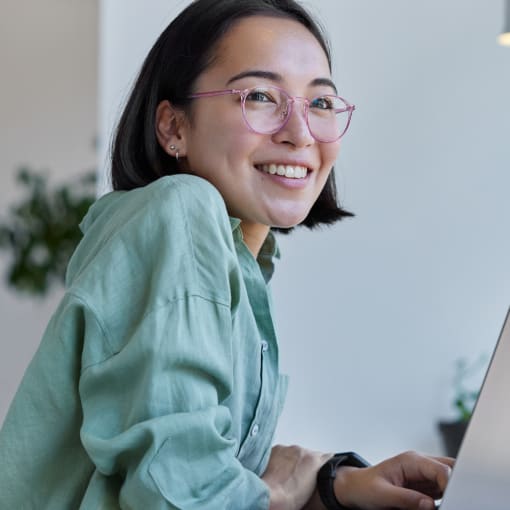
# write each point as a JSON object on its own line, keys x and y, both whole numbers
{"x": 220, "y": 137}
{"x": 220, "y": 152}
{"x": 330, "y": 153}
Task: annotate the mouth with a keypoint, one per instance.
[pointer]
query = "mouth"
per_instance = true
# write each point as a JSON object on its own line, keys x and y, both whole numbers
{"x": 289, "y": 171}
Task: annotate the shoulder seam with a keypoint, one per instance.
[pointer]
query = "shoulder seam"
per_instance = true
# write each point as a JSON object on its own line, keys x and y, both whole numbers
{"x": 189, "y": 238}
{"x": 95, "y": 315}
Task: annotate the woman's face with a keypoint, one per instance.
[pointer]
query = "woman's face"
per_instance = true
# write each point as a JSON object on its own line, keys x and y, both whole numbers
{"x": 261, "y": 51}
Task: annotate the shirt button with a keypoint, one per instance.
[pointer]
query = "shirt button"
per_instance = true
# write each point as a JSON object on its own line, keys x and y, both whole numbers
{"x": 255, "y": 430}
{"x": 265, "y": 346}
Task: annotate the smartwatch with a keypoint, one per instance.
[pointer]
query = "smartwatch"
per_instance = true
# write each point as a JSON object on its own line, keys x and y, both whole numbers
{"x": 327, "y": 474}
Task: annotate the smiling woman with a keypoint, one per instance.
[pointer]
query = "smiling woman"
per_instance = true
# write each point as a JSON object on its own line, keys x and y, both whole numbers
{"x": 232, "y": 158}
{"x": 157, "y": 382}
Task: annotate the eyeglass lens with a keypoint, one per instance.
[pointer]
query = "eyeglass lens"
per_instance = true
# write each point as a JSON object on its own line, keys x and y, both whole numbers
{"x": 266, "y": 110}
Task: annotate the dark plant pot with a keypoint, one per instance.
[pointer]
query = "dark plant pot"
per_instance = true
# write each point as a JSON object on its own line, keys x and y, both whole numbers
{"x": 452, "y": 433}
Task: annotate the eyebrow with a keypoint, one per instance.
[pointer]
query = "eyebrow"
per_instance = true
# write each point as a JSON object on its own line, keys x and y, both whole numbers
{"x": 269, "y": 75}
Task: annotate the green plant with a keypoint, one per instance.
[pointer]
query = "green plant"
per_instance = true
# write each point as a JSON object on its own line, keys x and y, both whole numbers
{"x": 466, "y": 385}
{"x": 41, "y": 231}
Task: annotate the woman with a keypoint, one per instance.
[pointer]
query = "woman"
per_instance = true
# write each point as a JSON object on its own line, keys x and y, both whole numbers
{"x": 156, "y": 384}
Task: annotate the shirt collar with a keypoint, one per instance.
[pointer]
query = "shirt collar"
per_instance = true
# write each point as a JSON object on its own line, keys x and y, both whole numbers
{"x": 268, "y": 252}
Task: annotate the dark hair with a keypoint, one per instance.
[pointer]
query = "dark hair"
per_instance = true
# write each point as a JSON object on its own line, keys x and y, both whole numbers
{"x": 182, "y": 52}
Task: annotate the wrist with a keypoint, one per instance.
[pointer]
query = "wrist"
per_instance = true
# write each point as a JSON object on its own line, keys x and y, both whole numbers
{"x": 343, "y": 485}
{"x": 334, "y": 480}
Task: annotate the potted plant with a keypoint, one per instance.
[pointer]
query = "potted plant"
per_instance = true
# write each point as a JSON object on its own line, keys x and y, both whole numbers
{"x": 466, "y": 386}
{"x": 41, "y": 231}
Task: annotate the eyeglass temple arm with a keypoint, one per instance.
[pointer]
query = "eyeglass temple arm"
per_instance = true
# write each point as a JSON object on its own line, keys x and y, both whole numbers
{"x": 214, "y": 93}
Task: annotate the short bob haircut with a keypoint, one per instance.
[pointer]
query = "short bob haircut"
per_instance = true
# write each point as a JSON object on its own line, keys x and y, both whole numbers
{"x": 184, "y": 50}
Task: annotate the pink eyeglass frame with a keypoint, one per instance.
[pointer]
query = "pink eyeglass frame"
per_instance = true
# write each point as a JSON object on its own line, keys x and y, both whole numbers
{"x": 292, "y": 99}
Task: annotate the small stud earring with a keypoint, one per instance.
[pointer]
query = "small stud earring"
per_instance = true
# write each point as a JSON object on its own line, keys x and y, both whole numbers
{"x": 173, "y": 148}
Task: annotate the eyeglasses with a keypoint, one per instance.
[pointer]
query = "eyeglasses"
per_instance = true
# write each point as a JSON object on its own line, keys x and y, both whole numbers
{"x": 266, "y": 110}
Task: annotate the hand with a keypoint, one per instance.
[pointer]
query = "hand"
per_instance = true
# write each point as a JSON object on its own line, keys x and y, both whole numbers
{"x": 408, "y": 481}
{"x": 292, "y": 475}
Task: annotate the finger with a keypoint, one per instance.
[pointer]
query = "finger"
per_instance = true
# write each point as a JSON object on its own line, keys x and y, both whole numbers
{"x": 439, "y": 472}
{"x": 320, "y": 458}
{"x": 427, "y": 488}
{"x": 449, "y": 461}
{"x": 311, "y": 459}
{"x": 404, "y": 499}
{"x": 417, "y": 468}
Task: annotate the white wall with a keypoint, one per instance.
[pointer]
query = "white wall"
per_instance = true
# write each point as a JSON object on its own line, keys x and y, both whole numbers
{"x": 421, "y": 276}
{"x": 374, "y": 312}
{"x": 48, "y": 120}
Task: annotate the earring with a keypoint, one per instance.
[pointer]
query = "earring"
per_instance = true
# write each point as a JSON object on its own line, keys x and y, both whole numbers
{"x": 173, "y": 148}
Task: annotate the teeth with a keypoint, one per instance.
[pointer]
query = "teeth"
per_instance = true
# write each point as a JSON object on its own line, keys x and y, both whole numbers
{"x": 289, "y": 171}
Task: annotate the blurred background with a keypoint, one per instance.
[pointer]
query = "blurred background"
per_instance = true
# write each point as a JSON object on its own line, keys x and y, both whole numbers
{"x": 49, "y": 124}
{"x": 385, "y": 319}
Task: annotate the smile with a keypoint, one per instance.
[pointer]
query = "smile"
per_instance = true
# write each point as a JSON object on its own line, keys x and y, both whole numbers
{"x": 289, "y": 171}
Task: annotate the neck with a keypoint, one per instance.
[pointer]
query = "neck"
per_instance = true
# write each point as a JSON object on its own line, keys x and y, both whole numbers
{"x": 254, "y": 235}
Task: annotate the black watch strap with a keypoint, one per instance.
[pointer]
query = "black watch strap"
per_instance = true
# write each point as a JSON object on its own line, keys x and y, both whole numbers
{"x": 327, "y": 474}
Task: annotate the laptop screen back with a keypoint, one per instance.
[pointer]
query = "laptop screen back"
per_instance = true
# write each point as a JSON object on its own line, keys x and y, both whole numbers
{"x": 481, "y": 477}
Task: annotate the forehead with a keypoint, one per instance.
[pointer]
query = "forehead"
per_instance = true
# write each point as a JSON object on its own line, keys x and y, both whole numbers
{"x": 281, "y": 45}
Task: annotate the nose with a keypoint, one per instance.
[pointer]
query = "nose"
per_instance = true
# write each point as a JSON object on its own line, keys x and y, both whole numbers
{"x": 295, "y": 131}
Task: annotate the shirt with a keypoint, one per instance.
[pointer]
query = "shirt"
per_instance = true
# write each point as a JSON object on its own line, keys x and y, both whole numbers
{"x": 156, "y": 384}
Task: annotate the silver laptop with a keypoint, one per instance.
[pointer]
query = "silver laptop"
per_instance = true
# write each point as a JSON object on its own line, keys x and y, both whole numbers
{"x": 480, "y": 479}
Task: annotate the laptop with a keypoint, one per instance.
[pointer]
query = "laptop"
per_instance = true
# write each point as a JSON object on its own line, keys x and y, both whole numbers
{"x": 480, "y": 479}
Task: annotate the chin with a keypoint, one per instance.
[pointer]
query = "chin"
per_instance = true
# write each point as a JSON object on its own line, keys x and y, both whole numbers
{"x": 289, "y": 220}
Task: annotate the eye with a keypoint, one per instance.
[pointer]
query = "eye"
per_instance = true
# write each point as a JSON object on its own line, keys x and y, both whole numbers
{"x": 260, "y": 96}
{"x": 322, "y": 103}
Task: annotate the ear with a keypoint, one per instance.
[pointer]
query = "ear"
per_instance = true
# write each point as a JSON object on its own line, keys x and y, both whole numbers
{"x": 171, "y": 128}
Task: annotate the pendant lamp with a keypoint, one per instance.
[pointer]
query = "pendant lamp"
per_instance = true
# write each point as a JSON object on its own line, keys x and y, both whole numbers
{"x": 504, "y": 37}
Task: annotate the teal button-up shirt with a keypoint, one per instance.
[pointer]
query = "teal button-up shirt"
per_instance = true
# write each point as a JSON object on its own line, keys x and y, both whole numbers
{"x": 156, "y": 384}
